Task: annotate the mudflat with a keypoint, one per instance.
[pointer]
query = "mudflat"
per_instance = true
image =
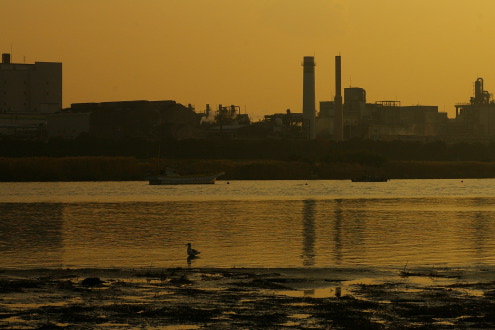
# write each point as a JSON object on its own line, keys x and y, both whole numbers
{"x": 240, "y": 298}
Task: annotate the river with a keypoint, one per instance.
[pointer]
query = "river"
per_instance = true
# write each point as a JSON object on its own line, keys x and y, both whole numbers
{"x": 314, "y": 223}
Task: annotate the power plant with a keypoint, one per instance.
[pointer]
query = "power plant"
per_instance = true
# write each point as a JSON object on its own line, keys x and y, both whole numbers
{"x": 349, "y": 116}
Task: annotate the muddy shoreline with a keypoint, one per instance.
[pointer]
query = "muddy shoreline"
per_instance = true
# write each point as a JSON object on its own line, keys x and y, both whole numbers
{"x": 193, "y": 298}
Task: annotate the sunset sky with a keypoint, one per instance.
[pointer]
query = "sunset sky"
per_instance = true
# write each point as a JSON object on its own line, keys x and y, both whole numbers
{"x": 249, "y": 52}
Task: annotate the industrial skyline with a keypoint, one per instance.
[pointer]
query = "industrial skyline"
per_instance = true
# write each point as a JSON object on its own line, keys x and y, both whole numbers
{"x": 30, "y": 107}
{"x": 244, "y": 52}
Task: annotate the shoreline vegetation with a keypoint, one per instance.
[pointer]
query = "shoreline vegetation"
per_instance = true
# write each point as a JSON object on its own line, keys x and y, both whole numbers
{"x": 104, "y": 168}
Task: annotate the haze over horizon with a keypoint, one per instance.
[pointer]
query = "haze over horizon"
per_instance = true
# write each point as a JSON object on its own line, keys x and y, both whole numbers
{"x": 249, "y": 53}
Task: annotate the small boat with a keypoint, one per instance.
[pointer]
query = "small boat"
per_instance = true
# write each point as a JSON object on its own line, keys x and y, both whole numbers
{"x": 370, "y": 178}
{"x": 171, "y": 176}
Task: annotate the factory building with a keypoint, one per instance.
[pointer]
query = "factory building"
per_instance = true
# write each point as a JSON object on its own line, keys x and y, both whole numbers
{"x": 351, "y": 117}
{"x": 325, "y": 122}
{"x": 286, "y": 125}
{"x": 125, "y": 119}
{"x": 475, "y": 121}
{"x": 28, "y": 92}
{"x": 30, "y": 88}
{"x": 225, "y": 122}
{"x": 382, "y": 120}
{"x": 390, "y": 121}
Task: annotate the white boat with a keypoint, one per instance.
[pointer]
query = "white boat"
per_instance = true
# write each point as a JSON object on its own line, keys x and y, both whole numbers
{"x": 172, "y": 177}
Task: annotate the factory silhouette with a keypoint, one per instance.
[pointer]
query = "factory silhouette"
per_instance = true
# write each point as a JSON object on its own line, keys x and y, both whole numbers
{"x": 31, "y": 109}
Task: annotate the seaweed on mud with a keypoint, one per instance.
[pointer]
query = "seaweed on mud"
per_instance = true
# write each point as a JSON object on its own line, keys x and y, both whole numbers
{"x": 65, "y": 285}
{"x": 263, "y": 284}
{"x": 7, "y": 286}
{"x": 378, "y": 287}
{"x": 349, "y": 314}
{"x": 49, "y": 326}
{"x": 193, "y": 292}
{"x": 388, "y": 291}
{"x": 344, "y": 303}
{"x": 260, "y": 320}
{"x": 429, "y": 312}
{"x": 489, "y": 294}
{"x": 126, "y": 309}
{"x": 67, "y": 314}
{"x": 5, "y": 315}
{"x": 265, "y": 303}
{"x": 250, "y": 301}
{"x": 182, "y": 280}
{"x": 431, "y": 273}
{"x": 162, "y": 276}
{"x": 186, "y": 313}
{"x": 237, "y": 275}
{"x": 229, "y": 298}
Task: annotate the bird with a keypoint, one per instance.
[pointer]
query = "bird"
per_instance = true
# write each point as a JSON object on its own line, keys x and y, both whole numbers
{"x": 191, "y": 252}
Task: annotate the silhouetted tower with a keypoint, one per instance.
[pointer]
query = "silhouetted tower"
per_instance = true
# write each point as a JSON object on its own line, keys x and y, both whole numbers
{"x": 480, "y": 95}
{"x": 309, "y": 107}
{"x": 339, "y": 115}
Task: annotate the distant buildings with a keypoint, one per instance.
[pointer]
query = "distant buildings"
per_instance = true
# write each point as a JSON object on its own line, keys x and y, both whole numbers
{"x": 30, "y": 88}
{"x": 146, "y": 120}
{"x": 28, "y": 92}
{"x": 382, "y": 120}
{"x": 31, "y": 108}
{"x": 353, "y": 118}
{"x": 475, "y": 121}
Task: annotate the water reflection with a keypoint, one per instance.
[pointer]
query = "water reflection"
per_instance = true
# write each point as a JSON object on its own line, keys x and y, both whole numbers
{"x": 246, "y": 233}
{"x": 309, "y": 233}
{"x": 339, "y": 215}
{"x": 31, "y": 233}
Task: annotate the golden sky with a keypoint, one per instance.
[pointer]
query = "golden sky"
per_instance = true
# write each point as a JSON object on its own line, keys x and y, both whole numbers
{"x": 249, "y": 52}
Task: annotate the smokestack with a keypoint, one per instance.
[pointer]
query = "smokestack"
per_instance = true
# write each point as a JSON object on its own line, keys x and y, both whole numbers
{"x": 6, "y": 58}
{"x": 339, "y": 116}
{"x": 309, "y": 107}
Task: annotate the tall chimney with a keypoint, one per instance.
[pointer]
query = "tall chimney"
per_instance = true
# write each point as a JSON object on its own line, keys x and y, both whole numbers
{"x": 6, "y": 58}
{"x": 309, "y": 107}
{"x": 339, "y": 116}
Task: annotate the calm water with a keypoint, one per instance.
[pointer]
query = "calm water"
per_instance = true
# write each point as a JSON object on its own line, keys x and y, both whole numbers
{"x": 249, "y": 224}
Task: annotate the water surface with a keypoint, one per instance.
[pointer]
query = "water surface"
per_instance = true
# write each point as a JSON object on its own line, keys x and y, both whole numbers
{"x": 318, "y": 223}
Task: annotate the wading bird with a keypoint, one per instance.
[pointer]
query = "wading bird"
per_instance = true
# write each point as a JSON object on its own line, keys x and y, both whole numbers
{"x": 191, "y": 252}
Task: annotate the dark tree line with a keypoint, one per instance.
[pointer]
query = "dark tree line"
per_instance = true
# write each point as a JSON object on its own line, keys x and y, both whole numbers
{"x": 360, "y": 151}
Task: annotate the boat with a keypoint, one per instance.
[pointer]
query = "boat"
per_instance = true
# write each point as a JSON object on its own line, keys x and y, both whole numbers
{"x": 370, "y": 178}
{"x": 171, "y": 176}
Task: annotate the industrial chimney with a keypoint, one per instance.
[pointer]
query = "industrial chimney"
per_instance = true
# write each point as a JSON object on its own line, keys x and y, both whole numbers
{"x": 309, "y": 107}
{"x": 339, "y": 115}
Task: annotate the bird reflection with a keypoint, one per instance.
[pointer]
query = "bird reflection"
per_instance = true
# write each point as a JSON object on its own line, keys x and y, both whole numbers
{"x": 190, "y": 259}
{"x": 191, "y": 254}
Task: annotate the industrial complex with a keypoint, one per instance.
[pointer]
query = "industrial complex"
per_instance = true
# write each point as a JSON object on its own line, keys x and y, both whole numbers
{"x": 31, "y": 108}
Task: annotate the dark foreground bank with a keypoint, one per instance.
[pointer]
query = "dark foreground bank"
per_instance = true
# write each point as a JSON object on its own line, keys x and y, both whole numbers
{"x": 248, "y": 299}
{"x": 128, "y": 168}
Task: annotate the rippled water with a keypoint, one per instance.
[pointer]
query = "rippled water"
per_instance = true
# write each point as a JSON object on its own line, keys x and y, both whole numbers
{"x": 248, "y": 224}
